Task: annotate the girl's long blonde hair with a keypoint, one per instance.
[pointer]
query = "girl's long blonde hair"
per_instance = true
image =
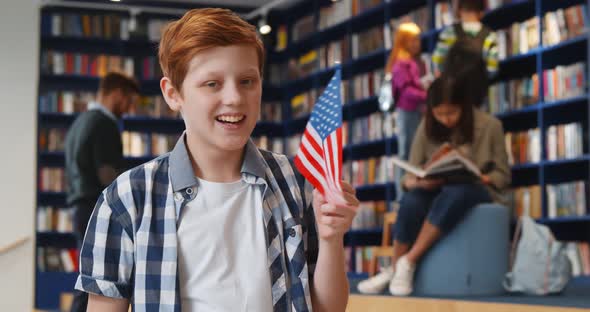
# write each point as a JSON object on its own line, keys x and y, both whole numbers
{"x": 404, "y": 33}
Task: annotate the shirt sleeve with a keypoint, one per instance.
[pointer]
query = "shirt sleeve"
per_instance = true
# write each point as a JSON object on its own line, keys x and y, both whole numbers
{"x": 446, "y": 39}
{"x": 406, "y": 80}
{"x": 490, "y": 51}
{"x": 106, "y": 256}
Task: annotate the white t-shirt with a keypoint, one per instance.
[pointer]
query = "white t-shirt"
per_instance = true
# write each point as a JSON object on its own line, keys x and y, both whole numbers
{"x": 222, "y": 254}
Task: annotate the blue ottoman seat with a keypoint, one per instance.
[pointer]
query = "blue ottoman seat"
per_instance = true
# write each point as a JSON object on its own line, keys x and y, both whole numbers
{"x": 471, "y": 260}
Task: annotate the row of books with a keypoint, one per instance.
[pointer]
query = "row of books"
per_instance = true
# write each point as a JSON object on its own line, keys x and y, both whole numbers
{"x": 102, "y": 26}
{"x": 369, "y": 128}
{"x": 374, "y": 170}
{"x": 82, "y": 64}
{"x": 564, "y": 24}
{"x": 150, "y": 68}
{"x": 565, "y": 81}
{"x": 513, "y": 95}
{"x": 71, "y": 102}
{"x": 343, "y": 10}
{"x": 52, "y": 179}
{"x": 566, "y": 199}
{"x": 367, "y": 41}
{"x": 54, "y": 219}
{"x": 369, "y": 215}
{"x": 52, "y": 139}
{"x": 153, "y": 106}
{"x": 565, "y": 141}
{"x": 340, "y": 11}
{"x": 519, "y": 38}
{"x": 420, "y": 17}
{"x": 50, "y": 259}
{"x": 359, "y": 87}
{"x": 271, "y": 111}
{"x": 526, "y": 200}
{"x": 558, "y": 26}
{"x": 67, "y": 102}
{"x": 579, "y": 255}
{"x": 561, "y": 82}
{"x": 136, "y": 144}
{"x": 523, "y": 147}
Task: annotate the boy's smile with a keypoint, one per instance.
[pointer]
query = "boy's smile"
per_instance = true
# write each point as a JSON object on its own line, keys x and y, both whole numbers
{"x": 231, "y": 120}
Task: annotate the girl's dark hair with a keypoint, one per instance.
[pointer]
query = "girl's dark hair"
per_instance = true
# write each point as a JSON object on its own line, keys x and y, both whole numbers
{"x": 463, "y": 83}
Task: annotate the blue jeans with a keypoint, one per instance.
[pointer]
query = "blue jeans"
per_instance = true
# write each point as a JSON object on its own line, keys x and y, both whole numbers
{"x": 407, "y": 123}
{"x": 444, "y": 208}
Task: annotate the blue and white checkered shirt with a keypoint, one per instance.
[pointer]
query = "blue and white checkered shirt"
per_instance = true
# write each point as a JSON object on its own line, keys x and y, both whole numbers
{"x": 130, "y": 247}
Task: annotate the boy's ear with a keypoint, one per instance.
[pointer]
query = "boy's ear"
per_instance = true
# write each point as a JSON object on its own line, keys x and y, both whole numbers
{"x": 171, "y": 95}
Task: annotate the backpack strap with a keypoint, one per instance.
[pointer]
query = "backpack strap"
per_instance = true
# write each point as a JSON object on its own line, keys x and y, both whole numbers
{"x": 482, "y": 35}
{"x": 459, "y": 31}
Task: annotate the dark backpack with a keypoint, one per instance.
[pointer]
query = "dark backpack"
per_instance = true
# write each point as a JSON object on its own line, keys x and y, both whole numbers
{"x": 474, "y": 43}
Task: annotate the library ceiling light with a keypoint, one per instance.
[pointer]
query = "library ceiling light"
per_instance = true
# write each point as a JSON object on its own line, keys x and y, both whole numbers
{"x": 263, "y": 26}
{"x": 116, "y": 0}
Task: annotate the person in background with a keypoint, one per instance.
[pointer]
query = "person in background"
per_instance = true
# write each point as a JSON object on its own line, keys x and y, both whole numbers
{"x": 216, "y": 224}
{"x": 94, "y": 153}
{"x": 431, "y": 207}
{"x": 469, "y": 31}
{"x": 408, "y": 86}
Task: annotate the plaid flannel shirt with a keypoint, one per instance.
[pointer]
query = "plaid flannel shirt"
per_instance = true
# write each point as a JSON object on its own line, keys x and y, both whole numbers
{"x": 130, "y": 247}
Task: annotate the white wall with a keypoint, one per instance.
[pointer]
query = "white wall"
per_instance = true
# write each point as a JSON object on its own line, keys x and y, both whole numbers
{"x": 19, "y": 50}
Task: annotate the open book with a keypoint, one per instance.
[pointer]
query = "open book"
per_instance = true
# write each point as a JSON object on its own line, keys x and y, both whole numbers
{"x": 446, "y": 163}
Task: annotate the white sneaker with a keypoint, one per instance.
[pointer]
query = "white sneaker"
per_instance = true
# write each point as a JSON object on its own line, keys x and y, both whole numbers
{"x": 376, "y": 284}
{"x": 403, "y": 279}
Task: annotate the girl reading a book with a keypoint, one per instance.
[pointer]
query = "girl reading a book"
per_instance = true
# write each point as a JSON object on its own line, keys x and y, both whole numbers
{"x": 432, "y": 207}
{"x": 408, "y": 85}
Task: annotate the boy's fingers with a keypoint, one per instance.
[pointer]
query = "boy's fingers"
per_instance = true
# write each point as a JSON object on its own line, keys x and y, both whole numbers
{"x": 351, "y": 199}
{"x": 347, "y": 188}
{"x": 330, "y": 209}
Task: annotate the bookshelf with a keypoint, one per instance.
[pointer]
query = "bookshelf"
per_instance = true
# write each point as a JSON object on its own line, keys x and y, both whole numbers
{"x": 542, "y": 114}
{"x": 71, "y": 38}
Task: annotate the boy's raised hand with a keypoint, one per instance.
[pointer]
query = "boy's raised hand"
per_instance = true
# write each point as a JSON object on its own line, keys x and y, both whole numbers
{"x": 333, "y": 220}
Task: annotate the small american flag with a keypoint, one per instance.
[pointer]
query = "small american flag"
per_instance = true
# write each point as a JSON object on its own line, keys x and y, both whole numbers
{"x": 319, "y": 158}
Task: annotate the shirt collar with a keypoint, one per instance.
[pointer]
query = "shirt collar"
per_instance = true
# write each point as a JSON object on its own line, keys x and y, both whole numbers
{"x": 98, "y": 106}
{"x": 181, "y": 169}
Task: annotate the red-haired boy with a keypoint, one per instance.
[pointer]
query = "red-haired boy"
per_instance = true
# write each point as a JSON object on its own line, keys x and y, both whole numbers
{"x": 216, "y": 224}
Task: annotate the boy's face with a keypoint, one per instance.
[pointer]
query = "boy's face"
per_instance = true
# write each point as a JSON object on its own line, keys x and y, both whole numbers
{"x": 220, "y": 100}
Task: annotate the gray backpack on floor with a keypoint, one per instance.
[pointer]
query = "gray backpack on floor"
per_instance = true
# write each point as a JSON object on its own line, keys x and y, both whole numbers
{"x": 539, "y": 263}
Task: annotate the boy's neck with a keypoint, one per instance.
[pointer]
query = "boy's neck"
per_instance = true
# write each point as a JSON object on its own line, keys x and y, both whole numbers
{"x": 214, "y": 165}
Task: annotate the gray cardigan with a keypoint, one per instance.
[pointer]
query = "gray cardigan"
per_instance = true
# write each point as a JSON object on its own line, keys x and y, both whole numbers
{"x": 488, "y": 147}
